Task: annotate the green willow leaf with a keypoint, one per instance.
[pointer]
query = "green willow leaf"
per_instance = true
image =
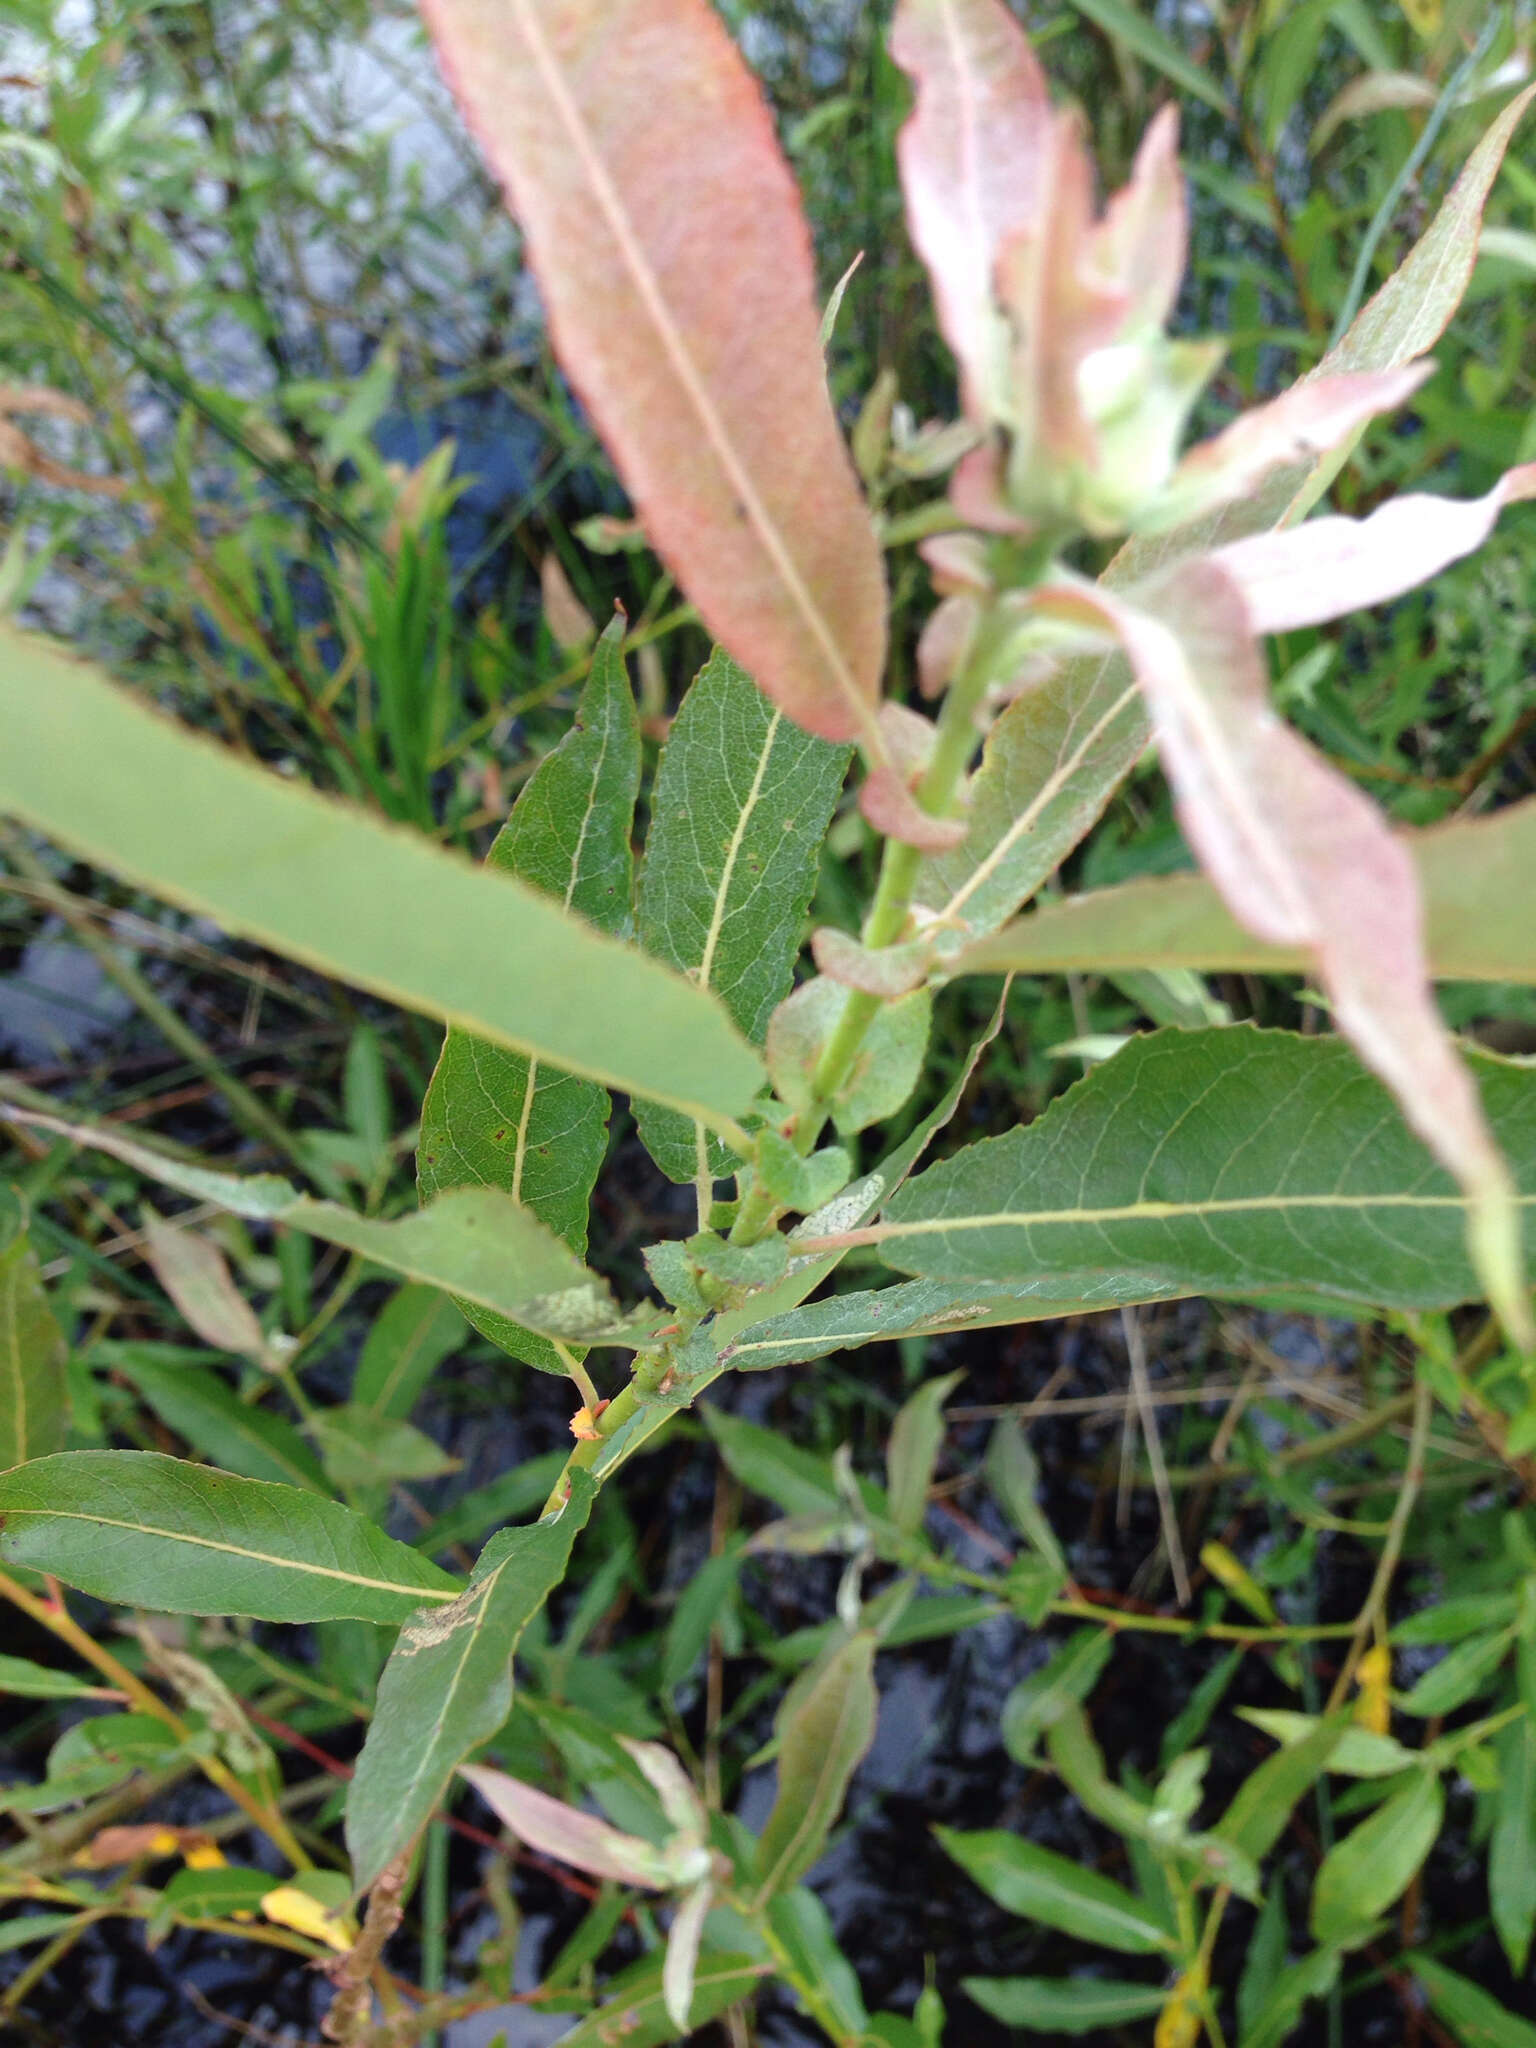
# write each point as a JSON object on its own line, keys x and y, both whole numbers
{"x": 476, "y": 1243}
{"x": 823, "y": 1737}
{"x": 1480, "y": 2020}
{"x": 235, "y": 1434}
{"x": 23, "y": 1679}
{"x": 1512, "y": 1848}
{"x": 1263, "y": 1803}
{"x": 364, "y": 1449}
{"x": 638, "y": 2016}
{"x": 1472, "y": 872}
{"x": 34, "y": 1395}
{"x": 1039, "y": 1885}
{"x": 494, "y": 1118}
{"x": 917, "y": 1435}
{"x": 928, "y": 1308}
{"x": 1058, "y": 753}
{"x": 1227, "y": 1162}
{"x": 334, "y": 888}
{"x": 1063, "y": 2005}
{"x": 1130, "y": 27}
{"x": 412, "y": 1334}
{"x": 1378, "y": 1860}
{"x": 149, "y": 1531}
{"x": 742, "y": 803}
{"x": 1310, "y": 1976}
{"x": 448, "y": 1684}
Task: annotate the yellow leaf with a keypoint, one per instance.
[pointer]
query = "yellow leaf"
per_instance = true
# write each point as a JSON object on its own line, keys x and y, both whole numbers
{"x": 1238, "y": 1580}
{"x": 1373, "y": 1675}
{"x": 287, "y": 1906}
{"x": 1178, "y": 2024}
{"x": 206, "y": 1856}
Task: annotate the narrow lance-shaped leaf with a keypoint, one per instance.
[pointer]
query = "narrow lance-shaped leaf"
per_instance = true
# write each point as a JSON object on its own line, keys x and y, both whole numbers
{"x": 675, "y": 263}
{"x": 1335, "y": 565}
{"x": 1302, "y": 856}
{"x": 149, "y": 1531}
{"x": 1135, "y": 1170}
{"x": 930, "y": 1308}
{"x": 557, "y": 1829}
{"x": 34, "y": 1396}
{"x": 238, "y": 1435}
{"x": 413, "y": 1333}
{"x": 1057, "y": 754}
{"x": 1310, "y": 1976}
{"x": 1050, "y": 2006}
{"x": 1478, "y": 2017}
{"x": 1512, "y": 1850}
{"x": 971, "y": 157}
{"x": 1377, "y": 1860}
{"x": 822, "y": 1741}
{"x": 1413, "y": 308}
{"x": 1472, "y": 875}
{"x": 742, "y": 803}
{"x": 332, "y": 887}
{"x": 448, "y": 1684}
{"x": 475, "y": 1242}
{"x": 195, "y": 1274}
{"x": 1263, "y": 1804}
{"x": 494, "y": 1118}
{"x": 917, "y": 1434}
{"x": 1040, "y": 1885}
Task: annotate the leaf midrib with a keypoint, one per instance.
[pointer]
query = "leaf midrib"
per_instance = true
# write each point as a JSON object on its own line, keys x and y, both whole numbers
{"x": 290, "y": 1564}
{"x": 683, "y": 367}
{"x": 1133, "y": 1212}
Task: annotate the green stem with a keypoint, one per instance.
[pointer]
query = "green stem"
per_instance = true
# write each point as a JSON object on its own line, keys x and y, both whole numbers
{"x": 434, "y": 1917}
{"x": 1376, "y": 1600}
{"x": 584, "y": 1453}
{"x": 805, "y": 1987}
{"x": 953, "y": 746}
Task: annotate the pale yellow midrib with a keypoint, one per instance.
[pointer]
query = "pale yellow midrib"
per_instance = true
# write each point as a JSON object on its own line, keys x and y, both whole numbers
{"x": 1131, "y": 1212}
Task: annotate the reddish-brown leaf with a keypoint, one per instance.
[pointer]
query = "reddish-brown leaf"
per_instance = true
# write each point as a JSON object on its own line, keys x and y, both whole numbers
{"x": 675, "y": 263}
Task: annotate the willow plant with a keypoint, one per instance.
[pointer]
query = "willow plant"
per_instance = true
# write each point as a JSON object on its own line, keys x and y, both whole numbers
{"x": 1386, "y": 1167}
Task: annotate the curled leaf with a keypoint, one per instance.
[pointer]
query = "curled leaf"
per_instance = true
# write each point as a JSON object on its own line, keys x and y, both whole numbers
{"x": 879, "y": 970}
{"x": 1307, "y": 574}
{"x": 286, "y": 1906}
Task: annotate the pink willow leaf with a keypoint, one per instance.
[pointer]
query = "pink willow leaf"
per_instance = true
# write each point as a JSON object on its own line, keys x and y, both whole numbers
{"x": 1307, "y": 574}
{"x": 1304, "y": 422}
{"x": 1304, "y": 859}
{"x": 971, "y": 158}
{"x": 682, "y": 1958}
{"x": 565, "y": 1832}
{"x": 884, "y": 971}
{"x": 667, "y": 236}
{"x": 888, "y": 798}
